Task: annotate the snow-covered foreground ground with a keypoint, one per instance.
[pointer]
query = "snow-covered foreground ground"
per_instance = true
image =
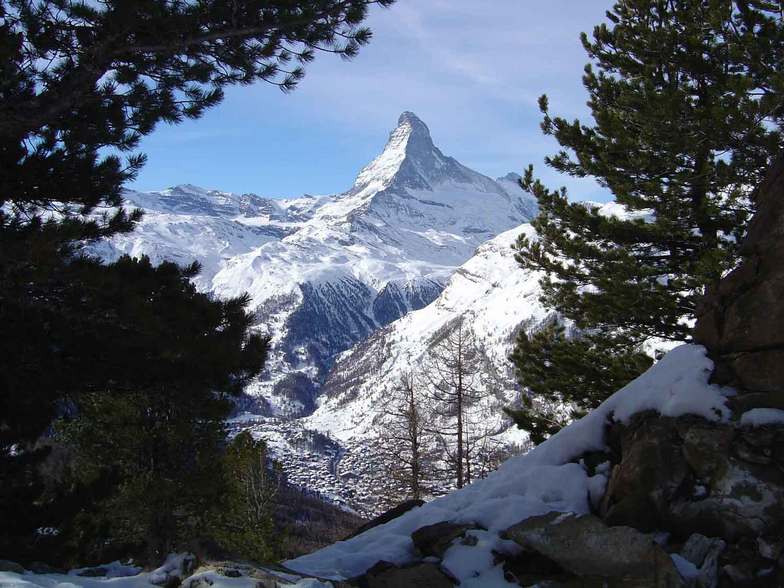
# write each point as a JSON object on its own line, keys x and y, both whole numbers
{"x": 142, "y": 580}
{"x": 127, "y": 576}
{"x": 544, "y": 480}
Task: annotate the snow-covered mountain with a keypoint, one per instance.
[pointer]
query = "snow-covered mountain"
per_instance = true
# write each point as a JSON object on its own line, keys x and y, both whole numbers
{"x": 331, "y": 450}
{"x": 326, "y": 272}
{"x": 493, "y": 295}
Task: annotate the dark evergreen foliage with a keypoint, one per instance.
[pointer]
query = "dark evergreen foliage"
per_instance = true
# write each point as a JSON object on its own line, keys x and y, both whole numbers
{"x": 567, "y": 377}
{"x": 244, "y": 524}
{"x": 138, "y": 367}
{"x": 135, "y": 364}
{"x": 686, "y": 99}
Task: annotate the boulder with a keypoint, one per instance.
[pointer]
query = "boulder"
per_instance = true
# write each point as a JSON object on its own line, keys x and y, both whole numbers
{"x": 420, "y": 575}
{"x": 174, "y": 570}
{"x": 688, "y": 475}
{"x": 434, "y": 540}
{"x": 704, "y": 553}
{"x": 96, "y": 572}
{"x": 741, "y": 318}
{"x": 651, "y": 471}
{"x": 586, "y": 547}
{"x": 529, "y": 568}
{"x": 11, "y": 566}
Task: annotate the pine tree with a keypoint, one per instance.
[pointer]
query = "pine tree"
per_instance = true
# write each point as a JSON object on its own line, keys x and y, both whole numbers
{"x": 686, "y": 99}
{"x": 80, "y": 84}
{"x": 138, "y": 367}
{"x": 566, "y": 377}
{"x": 245, "y": 525}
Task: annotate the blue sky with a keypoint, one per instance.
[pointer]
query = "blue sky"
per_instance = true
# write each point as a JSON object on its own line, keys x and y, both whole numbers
{"x": 472, "y": 70}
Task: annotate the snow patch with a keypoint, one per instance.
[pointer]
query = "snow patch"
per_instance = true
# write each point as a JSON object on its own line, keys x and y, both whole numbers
{"x": 759, "y": 417}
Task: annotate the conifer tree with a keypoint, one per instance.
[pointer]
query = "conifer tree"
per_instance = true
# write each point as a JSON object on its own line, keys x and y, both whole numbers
{"x": 686, "y": 100}
{"x": 567, "y": 377}
{"x": 245, "y": 525}
{"x": 80, "y": 84}
{"x": 138, "y": 367}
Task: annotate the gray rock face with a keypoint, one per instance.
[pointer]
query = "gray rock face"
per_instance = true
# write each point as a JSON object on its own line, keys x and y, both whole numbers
{"x": 586, "y": 547}
{"x": 434, "y": 540}
{"x": 333, "y": 317}
{"x": 397, "y": 299}
{"x": 703, "y": 553}
{"x": 687, "y": 475}
{"x": 741, "y": 320}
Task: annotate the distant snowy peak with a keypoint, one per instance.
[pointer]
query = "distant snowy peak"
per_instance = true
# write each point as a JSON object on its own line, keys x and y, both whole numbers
{"x": 409, "y": 140}
{"x": 187, "y": 199}
{"x": 410, "y": 161}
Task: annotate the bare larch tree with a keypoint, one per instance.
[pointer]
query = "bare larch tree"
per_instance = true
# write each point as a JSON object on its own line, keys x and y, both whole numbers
{"x": 405, "y": 444}
{"x": 452, "y": 371}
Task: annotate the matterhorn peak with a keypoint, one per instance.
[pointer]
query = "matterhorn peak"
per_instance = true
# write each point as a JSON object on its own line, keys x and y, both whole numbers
{"x": 409, "y": 123}
{"x": 409, "y": 147}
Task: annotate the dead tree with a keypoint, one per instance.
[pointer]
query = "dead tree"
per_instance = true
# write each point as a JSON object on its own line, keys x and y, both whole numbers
{"x": 405, "y": 441}
{"x": 452, "y": 371}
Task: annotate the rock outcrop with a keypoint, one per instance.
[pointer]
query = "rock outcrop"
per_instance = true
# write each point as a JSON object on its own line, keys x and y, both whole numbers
{"x": 741, "y": 320}
{"x": 585, "y": 547}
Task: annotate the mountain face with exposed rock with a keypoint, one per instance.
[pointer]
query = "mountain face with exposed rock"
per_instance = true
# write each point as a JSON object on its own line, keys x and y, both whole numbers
{"x": 326, "y": 272}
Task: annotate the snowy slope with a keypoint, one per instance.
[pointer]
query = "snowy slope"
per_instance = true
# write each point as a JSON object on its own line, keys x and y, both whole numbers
{"x": 493, "y": 295}
{"x": 325, "y": 272}
{"x": 544, "y": 480}
{"x": 331, "y": 450}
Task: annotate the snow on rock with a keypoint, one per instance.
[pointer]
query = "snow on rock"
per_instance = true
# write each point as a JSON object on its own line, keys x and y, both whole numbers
{"x": 114, "y": 569}
{"x": 544, "y": 480}
{"x": 118, "y": 576}
{"x": 759, "y": 417}
{"x": 176, "y": 567}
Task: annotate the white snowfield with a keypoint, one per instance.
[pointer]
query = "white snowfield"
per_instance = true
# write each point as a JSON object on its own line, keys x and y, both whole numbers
{"x": 327, "y": 272}
{"x": 492, "y": 293}
{"x": 544, "y": 480}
